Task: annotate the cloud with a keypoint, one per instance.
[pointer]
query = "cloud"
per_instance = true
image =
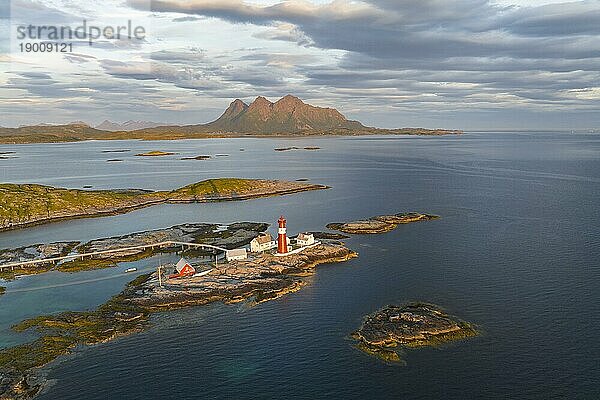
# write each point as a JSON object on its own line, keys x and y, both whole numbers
{"x": 444, "y": 49}
{"x": 285, "y": 32}
{"x": 428, "y": 29}
{"x": 36, "y": 13}
{"x": 186, "y": 19}
{"x": 385, "y": 59}
{"x": 576, "y": 18}
{"x": 182, "y": 77}
{"x": 240, "y": 11}
{"x": 193, "y": 55}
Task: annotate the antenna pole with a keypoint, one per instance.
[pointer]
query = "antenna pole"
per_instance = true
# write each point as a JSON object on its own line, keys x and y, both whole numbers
{"x": 159, "y": 274}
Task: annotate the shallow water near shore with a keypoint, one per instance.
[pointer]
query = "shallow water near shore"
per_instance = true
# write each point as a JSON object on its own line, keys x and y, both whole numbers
{"x": 516, "y": 253}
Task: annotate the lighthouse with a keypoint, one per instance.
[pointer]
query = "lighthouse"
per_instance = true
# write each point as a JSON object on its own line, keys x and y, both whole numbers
{"x": 282, "y": 238}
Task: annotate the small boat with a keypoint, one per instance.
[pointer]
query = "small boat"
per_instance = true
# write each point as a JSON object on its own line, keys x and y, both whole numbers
{"x": 128, "y": 270}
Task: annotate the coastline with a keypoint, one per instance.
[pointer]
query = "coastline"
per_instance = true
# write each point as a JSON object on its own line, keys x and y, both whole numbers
{"x": 257, "y": 280}
{"x": 128, "y": 312}
{"x": 258, "y": 188}
{"x": 380, "y": 223}
{"x": 413, "y": 325}
{"x": 126, "y": 248}
{"x": 123, "y": 136}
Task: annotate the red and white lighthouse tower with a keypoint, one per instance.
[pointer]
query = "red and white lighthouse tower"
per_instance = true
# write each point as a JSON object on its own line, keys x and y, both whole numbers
{"x": 282, "y": 247}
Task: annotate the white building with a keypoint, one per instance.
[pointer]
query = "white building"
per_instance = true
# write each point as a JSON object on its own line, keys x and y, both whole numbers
{"x": 305, "y": 239}
{"x": 236, "y": 254}
{"x": 262, "y": 243}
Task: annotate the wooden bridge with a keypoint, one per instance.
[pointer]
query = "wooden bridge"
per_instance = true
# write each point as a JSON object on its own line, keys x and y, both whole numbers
{"x": 53, "y": 260}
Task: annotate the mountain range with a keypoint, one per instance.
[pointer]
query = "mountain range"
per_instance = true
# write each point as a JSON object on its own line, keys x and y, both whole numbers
{"x": 127, "y": 126}
{"x": 288, "y": 116}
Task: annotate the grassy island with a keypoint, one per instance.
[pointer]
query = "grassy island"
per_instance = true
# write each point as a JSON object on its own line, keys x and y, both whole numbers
{"x": 155, "y": 153}
{"x": 29, "y": 204}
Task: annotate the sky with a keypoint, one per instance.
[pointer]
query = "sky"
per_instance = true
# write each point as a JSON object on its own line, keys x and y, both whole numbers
{"x": 460, "y": 64}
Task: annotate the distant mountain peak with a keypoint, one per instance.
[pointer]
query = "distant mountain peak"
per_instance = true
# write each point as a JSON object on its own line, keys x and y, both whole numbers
{"x": 130, "y": 125}
{"x": 238, "y": 106}
{"x": 260, "y": 102}
{"x": 235, "y": 108}
{"x": 238, "y": 103}
{"x": 287, "y": 115}
{"x": 78, "y": 123}
{"x": 289, "y": 104}
{"x": 261, "y": 99}
{"x": 288, "y": 98}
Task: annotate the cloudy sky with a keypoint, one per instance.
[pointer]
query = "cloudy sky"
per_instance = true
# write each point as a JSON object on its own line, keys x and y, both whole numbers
{"x": 468, "y": 64}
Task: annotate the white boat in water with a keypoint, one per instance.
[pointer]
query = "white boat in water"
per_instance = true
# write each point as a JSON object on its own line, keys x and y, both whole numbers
{"x": 130, "y": 270}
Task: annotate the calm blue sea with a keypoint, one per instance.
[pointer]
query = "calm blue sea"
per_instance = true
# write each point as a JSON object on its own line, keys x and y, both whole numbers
{"x": 517, "y": 252}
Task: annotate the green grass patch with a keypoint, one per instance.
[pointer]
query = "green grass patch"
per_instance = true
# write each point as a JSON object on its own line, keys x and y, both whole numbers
{"x": 62, "y": 332}
{"x": 22, "y": 204}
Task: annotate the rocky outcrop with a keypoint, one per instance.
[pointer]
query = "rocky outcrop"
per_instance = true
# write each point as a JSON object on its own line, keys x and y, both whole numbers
{"x": 263, "y": 278}
{"x": 201, "y": 158}
{"x": 380, "y": 223}
{"x": 155, "y": 153}
{"x": 411, "y": 325}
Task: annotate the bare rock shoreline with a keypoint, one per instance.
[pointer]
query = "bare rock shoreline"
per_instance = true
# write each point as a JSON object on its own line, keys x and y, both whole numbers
{"x": 410, "y": 325}
{"x": 380, "y": 223}
{"x": 263, "y": 279}
{"x": 229, "y": 236}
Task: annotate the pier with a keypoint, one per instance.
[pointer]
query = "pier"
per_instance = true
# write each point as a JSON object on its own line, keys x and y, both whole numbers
{"x": 53, "y": 260}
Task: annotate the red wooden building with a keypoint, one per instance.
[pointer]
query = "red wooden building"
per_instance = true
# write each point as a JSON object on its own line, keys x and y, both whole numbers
{"x": 183, "y": 269}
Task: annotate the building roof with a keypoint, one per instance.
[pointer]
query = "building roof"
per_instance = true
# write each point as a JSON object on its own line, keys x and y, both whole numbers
{"x": 305, "y": 236}
{"x": 236, "y": 252}
{"x": 181, "y": 264}
{"x": 264, "y": 239}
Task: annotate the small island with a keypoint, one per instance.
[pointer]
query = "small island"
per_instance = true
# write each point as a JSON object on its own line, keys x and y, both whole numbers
{"x": 412, "y": 325}
{"x": 155, "y": 153}
{"x": 328, "y": 235}
{"x": 30, "y": 204}
{"x": 262, "y": 278}
{"x": 2, "y": 290}
{"x": 297, "y": 148}
{"x": 380, "y": 223}
{"x": 196, "y": 158}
